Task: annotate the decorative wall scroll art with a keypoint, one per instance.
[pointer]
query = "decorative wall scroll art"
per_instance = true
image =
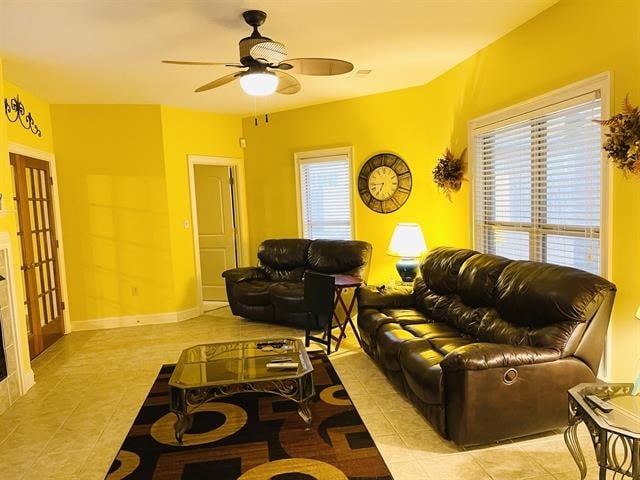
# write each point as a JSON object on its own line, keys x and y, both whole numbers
{"x": 14, "y": 110}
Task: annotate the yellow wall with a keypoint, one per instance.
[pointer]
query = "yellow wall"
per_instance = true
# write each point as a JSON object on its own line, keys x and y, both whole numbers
{"x": 388, "y": 122}
{"x": 114, "y": 208}
{"x": 188, "y": 132}
{"x": 8, "y": 223}
{"x": 571, "y": 41}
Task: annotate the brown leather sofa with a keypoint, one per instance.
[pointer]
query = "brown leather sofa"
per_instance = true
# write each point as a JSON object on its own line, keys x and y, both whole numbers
{"x": 274, "y": 291}
{"x": 486, "y": 347}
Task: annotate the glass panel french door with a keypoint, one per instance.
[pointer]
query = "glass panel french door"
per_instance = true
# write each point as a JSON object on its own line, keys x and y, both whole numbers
{"x": 36, "y": 228}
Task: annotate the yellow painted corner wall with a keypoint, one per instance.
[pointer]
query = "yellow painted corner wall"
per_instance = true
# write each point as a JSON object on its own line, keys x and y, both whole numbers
{"x": 114, "y": 208}
{"x": 391, "y": 122}
{"x": 8, "y": 223}
{"x": 188, "y": 132}
{"x": 573, "y": 40}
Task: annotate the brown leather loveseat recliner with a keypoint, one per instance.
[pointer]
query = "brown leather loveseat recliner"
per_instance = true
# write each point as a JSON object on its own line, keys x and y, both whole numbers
{"x": 486, "y": 347}
{"x": 274, "y": 290}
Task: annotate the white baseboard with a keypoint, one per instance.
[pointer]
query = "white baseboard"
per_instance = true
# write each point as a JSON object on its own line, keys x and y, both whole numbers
{"x": 28, "y": 381}
{"x": 189, "y": 313}
{"x": 133, "y": 320}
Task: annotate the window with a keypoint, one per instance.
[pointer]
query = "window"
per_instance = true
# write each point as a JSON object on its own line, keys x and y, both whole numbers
{"x": 538, "y": 181}
{"x": 324, "y": 194}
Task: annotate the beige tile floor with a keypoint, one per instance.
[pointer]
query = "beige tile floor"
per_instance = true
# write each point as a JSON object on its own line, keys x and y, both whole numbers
{"x": 90, "y": 385}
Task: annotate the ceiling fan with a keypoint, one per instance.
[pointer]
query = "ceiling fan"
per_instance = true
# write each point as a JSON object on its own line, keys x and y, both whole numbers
{"x": 263, "y": 63}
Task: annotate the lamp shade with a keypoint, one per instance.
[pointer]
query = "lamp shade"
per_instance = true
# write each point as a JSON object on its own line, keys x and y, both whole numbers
{"x": 407, "y": 241}
{"x": 259, "y": 84}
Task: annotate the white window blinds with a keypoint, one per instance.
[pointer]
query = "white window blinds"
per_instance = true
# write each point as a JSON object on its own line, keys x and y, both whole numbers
{"x": 325, "y": 197}
{"x": 538, "y": 185}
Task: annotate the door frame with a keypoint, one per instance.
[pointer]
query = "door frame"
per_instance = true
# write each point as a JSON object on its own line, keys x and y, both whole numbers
{"x": 239, "y": 206}
{"x": 26, "y": 151}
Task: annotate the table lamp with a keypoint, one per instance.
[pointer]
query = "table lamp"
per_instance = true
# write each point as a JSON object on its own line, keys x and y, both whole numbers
{"x": 408, "y": 243}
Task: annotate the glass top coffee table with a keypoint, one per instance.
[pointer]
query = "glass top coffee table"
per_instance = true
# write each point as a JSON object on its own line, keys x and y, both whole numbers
{"x": 207, "y": 372}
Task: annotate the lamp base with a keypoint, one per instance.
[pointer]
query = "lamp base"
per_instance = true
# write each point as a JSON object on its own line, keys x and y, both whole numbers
{"x": 407, "y": 269}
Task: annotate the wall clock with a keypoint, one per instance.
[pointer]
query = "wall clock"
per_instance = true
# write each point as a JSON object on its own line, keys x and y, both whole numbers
{"x": 384, "y": 183}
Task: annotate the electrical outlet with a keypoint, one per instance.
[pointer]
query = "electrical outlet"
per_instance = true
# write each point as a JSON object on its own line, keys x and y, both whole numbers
{"x": 186, "y": 224}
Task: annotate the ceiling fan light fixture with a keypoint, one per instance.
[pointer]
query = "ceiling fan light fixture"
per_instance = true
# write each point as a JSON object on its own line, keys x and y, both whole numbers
{"x": 259, "y": 84}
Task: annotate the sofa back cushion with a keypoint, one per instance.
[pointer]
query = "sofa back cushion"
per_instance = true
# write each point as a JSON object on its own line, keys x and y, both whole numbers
{"x": 349, "y": 257}
{"x": 478, "y": 279}
{"x": 440, "y": 268}
{"x": 497, "y": 300}
{"x": 538, "y": 294}
{"x": 542, "y": 305}
{"x": 283, "y": 259}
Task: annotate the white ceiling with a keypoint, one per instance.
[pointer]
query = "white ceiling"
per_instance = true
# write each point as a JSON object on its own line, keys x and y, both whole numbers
{"x": 109, "y": 51}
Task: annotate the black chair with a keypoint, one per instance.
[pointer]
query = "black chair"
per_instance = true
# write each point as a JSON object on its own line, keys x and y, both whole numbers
{"x": 319, "y": 295}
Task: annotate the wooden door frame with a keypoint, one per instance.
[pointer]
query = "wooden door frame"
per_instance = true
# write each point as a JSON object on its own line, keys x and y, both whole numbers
{"x": 239, "y": 203}
{"x": 26, "y": 151}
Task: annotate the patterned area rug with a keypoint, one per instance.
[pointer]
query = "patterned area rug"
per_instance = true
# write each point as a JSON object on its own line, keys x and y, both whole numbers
{"x": 253, "y": 436}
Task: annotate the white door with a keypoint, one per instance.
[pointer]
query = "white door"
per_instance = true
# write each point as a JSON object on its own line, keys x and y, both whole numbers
{"x": 216, "y": 227}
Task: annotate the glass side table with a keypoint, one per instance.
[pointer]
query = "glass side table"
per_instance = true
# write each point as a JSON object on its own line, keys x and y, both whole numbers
{"x": 615, "y": 435}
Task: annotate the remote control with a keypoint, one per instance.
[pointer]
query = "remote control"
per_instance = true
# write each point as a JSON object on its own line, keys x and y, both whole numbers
{"x": 272, "y": 343}
{"x": 283, "y": 365}
{"x": 281, "y": 360}
{"x": 599, "y": 403}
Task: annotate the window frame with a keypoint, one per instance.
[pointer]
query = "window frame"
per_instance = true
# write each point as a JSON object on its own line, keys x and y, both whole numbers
{"x": 318, "y": 156}
{"x": 539, "y": 106}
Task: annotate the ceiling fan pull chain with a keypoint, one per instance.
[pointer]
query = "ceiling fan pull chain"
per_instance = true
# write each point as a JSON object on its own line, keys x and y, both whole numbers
{"x": 255, "y": 112}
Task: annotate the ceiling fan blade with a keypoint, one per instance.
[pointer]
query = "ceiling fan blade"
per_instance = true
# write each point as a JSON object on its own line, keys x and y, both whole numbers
{"x": 270, "y": 52}
{"x": 287, "y": 85}
{"x": 319, "y": 66}
{"x": 180, "y": 62}
{"x": 219, "y": 82}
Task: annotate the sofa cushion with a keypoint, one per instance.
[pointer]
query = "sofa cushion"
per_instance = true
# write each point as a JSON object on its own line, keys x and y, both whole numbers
{"x": 369, "y": 321}
{"x": 432, "y": 330}
{"x": 350, "y": 257}
{"x": 288, "y": 296}
{"x": 254, "y": 293}
{"x": 284, "y": 258}
{"x": 493, "y": 328}
{"x": 434, "y": 305}
{"x": 478, "y": 278}
{"x": 405, "y": 316}
{"x": 389, "y": 339}
{"x": 540, "y": 294}
{"x": 440, "y": 268}
{"x": 421, "y": 370}
{"x": 445, "y": 345}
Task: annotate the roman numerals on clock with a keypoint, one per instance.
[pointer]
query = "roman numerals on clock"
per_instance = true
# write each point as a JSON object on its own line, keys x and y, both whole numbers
{"x": 384, "y": 183}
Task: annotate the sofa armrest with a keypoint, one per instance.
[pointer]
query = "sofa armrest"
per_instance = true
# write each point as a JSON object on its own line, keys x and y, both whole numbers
{"x": 483, "y": 356}
{"x": 244, "y": 274}
{"x": 389, "y": 297}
